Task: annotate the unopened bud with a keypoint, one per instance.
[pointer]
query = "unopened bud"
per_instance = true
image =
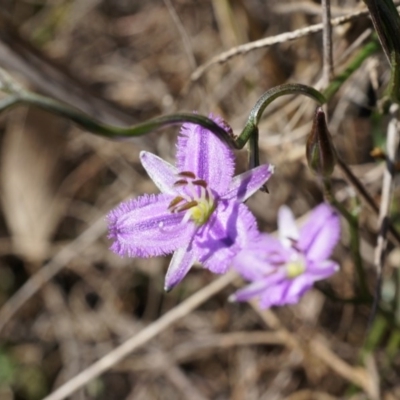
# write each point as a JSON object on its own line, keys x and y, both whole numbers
{"x": 320, "y": 153}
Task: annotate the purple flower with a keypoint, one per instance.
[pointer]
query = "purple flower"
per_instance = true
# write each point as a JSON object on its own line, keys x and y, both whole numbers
{"x": 198, "y": 214}
{"x": 282, "y": 270}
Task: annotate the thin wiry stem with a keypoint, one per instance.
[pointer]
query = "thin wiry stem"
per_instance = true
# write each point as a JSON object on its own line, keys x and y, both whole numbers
{"x": 184, "y": 36}
{"x": 327, "y": 42}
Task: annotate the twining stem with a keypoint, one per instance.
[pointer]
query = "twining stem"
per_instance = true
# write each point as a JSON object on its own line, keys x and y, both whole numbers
{"x": 19, "y": 96}
{"x": 110, "y": 131}
{"x": 251, "y": 127}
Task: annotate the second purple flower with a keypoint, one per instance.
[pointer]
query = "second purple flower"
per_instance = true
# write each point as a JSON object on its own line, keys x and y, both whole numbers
{"x": 282, "y": 270}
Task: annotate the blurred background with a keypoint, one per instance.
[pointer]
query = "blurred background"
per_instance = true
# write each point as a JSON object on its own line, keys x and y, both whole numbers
{"x": 66, "y": 300}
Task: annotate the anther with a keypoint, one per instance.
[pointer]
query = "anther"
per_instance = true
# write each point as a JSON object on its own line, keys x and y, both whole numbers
{"x": 200, "y": 182}
{"x": 187, "y": 174}
{"x": 175, "y": 202}
{"x": 181, "y": 182}
{"x": 187, "y": 206}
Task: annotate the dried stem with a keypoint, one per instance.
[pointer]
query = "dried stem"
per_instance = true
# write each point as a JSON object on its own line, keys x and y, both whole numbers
{"x": 327, "y": 42}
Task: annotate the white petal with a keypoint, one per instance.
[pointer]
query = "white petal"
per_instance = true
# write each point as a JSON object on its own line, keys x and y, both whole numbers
{"x": 162, "y": 173}
{"x": 180, "y": 264}
{"x": 288, "y": 231}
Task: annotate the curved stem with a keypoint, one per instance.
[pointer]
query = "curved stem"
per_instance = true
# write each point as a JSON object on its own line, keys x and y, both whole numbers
{"x": 109, "y": 131}
{"x": 251, "y": 127}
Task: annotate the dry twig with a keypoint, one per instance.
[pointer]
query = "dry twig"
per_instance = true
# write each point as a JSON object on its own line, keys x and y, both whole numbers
{"x": 327, "y": 42}
{"x": 270, "y": 41}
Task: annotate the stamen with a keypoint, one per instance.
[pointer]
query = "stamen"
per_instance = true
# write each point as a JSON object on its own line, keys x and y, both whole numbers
{"x": 187, "y": 206}
{"x": 203, "y": 192}
{"x": 187, "y": 174}
{"x": 294, "y": 244}
{"x": 181, "y": 182}
{"x": 200, "y": 182}
{"x": 175, "y": 202}
{"x": 195, "y": 198}
{"x": 193, "y": 191}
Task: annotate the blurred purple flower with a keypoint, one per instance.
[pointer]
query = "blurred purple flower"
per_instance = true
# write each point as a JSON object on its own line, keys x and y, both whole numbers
{"x": 198, "y": 214}
{"x": 282, "y": 270}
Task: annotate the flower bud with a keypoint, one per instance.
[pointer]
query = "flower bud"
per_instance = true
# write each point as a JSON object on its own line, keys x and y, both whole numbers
{"x": 320, "y": 153}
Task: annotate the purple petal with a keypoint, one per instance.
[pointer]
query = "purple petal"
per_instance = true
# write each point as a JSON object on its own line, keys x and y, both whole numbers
{"x": 275, "y": 295}
{"x": 298, "y": 286}
{"x": 249, "y": 291}
{"x": 246, "y": 184}
{"x": 320, "y": 234}
{"x": 231, "y": 227}
{"x": 322, "y": 269}
{"x": 304, "y": 282}
{"x": 288, "y": 232}
{"x": 276, "y": 291}
{"x": 162, "y": 173}
{"x": 144, "y": 227}
{"x": 180, "y": 264}
{"x": 203, "y": 153}
{"x": 260, "y": 258}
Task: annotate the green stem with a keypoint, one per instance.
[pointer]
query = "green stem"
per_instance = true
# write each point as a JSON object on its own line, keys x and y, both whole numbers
{"x": 251, "y": 127}
{"x": 109, "y": 131}
{"x": 120, "y": 132}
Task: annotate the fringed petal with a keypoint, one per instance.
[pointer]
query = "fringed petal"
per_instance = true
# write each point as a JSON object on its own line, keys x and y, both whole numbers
{"x": 203, "y": 153}
{"x": 144, "y": 227}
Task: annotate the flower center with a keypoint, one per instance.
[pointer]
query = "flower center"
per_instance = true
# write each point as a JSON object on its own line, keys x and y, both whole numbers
{"x": 195, "y": 199}
{"x": 294, "y": 268}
